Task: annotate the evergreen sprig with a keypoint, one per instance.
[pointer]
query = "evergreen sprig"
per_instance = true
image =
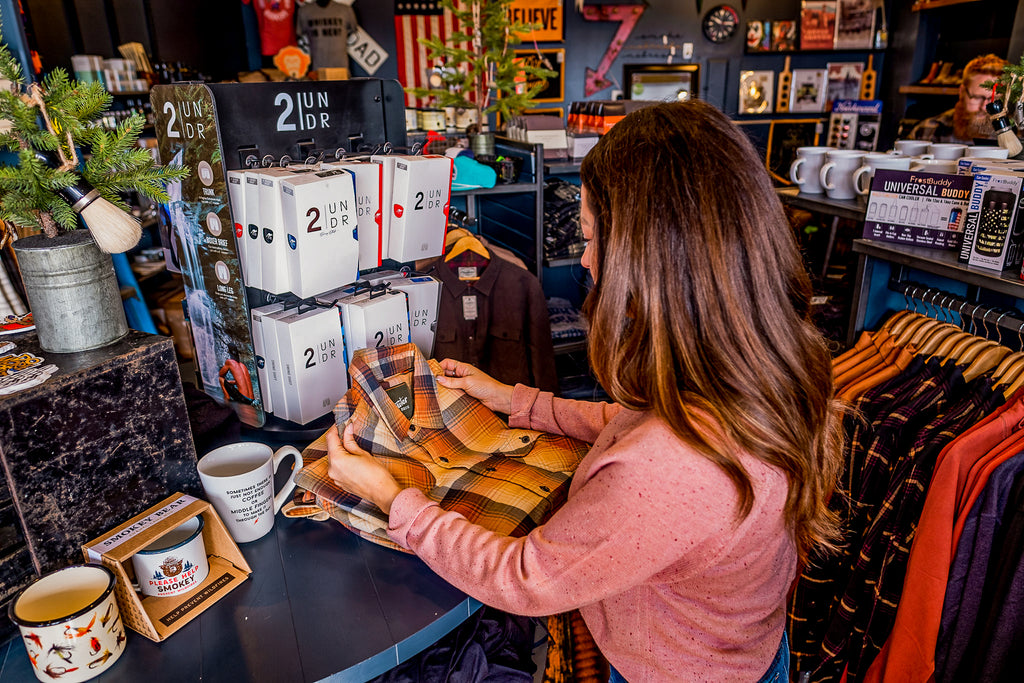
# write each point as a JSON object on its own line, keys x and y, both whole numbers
{"x": 110, "y": 161}
{"x": 486, "y": 76}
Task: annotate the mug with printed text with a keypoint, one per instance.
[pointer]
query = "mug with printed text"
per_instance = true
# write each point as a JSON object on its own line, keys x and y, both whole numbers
{"x": 239, "y": 481}
{"x": 872, "y": 162}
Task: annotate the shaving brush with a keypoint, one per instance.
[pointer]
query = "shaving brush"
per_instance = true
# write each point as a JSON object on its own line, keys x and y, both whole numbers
{"x": 113, "y": 230}
{"x": 1005, "y": 134}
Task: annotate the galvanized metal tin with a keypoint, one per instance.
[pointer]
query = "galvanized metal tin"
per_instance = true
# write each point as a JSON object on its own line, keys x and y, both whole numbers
{"x": 72, "y": 292}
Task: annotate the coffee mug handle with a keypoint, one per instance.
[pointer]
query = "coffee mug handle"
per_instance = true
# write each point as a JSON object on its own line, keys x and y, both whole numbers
{"x": 793, "y": 169}
{"x": 823, "y": 175}
{"x": 286, "y": 491}
{"x": 856, "y": 179}
{"x": 929, "y": 155}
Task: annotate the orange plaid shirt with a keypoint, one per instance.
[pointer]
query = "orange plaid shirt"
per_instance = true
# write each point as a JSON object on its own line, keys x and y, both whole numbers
{"x": 455, "y": 450}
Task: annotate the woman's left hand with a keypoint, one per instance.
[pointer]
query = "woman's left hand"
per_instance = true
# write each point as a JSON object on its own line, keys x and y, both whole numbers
{"x": 358, "y": 472}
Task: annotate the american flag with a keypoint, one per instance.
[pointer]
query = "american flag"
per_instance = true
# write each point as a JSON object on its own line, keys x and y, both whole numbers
{"x": 419, "y": 19}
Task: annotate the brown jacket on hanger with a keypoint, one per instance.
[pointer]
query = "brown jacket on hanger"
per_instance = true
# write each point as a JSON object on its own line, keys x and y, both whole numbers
{"x": 510, "y": 339}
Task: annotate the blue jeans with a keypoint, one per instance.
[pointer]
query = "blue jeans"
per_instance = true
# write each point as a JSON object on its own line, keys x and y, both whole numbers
{"x": 778, "y": 671}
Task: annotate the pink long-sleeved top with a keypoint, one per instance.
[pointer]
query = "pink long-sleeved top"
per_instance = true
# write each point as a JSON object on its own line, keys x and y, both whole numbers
{"x": 648, "y": 546}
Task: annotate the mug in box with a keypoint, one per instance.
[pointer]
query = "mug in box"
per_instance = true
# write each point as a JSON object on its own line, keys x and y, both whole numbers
{"x": 175, "y": 563}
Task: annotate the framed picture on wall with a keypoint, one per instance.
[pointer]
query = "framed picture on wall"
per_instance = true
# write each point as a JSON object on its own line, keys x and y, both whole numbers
{"x": 757, "y": 90}
{"x": 662, "y": 82}
{"x": 553, "y": 89}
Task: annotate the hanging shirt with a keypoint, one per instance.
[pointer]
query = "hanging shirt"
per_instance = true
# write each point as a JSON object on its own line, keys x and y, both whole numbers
{"x": 275, "y": 20}
{"x": 444, "y": 443}
{"x": 325, "y": 28}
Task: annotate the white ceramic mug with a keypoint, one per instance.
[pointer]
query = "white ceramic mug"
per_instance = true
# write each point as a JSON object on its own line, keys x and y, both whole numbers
{"x": 872, "y": 162}
{"x": 175, "y": 563}
{"x": 70, "y": 623}
{"x": 239, "y": 481}
{"x": 810, "y": 159}
{"x": 987, "y": 152}
{"x": 837, "y": 174}
{"x": 934, "y": 165}
{"x": 911, "y": 148}
{"x": 947, "y": 150}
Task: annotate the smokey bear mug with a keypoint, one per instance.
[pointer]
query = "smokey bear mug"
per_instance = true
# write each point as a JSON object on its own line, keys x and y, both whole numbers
{"x": 239, "y": 481}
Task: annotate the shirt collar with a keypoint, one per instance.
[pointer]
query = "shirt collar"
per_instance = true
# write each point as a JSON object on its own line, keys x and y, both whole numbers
{"x": 370, "y": 367}
{"x": 452, "y": 283}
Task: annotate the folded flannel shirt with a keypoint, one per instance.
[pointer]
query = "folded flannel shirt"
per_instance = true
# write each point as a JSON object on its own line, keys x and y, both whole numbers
{"x": 455, "y": 450}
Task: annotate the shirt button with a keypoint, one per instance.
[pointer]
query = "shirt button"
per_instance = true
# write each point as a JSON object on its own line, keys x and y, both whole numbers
{"x": 443, "y": 459}
{"x": 525, "y": 439}
{"x": 412, "y": 428}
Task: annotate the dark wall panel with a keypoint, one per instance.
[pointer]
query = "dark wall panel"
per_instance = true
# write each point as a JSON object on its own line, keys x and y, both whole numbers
{"x": 51, "y": 24}
{"x": 131, "y": 22}
{"x": 207, "y": 35}
{"x": 94, "y": 25}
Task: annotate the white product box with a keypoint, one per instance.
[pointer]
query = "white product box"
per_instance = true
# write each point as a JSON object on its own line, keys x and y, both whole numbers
{"x": 373, "y": 319}
{"x": 994, "y": 231}
{"x": 275, "y": 365}
{"x": 369, "y": 180}
{"x": 252, "y": 269}
{"x": 320, "y": 221}
{"x": 236, "y": 200}
{"x": 424, "y": 295}
{"x": 274, "y": 275}
{"x": 261, "y": 348}
{"x": 313, "y": 361}
{"x": 420, "y": 197}
{"x": 387, "y": 182}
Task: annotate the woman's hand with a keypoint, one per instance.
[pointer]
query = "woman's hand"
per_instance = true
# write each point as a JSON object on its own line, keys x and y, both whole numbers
{"x": 478, "y": 384}
{"x": 356, "y": 471}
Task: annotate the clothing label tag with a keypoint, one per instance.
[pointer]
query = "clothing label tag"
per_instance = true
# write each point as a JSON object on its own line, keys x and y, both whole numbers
{"x": 401, "y": 394}
{"x": 467, "y": 272}
{"x": 469, "y": 307}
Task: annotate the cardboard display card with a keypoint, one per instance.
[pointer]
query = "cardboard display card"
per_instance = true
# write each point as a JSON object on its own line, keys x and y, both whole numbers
{"x": 313, "y": 361}
{"x": 369, "y": 181}
{"x": 159, "y": 617}
{"x": 320, "y": 221}
{"x": 915, "y": 207}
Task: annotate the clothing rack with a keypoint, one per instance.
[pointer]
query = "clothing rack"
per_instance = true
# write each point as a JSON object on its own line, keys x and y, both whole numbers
{"x": 979, "y": 319}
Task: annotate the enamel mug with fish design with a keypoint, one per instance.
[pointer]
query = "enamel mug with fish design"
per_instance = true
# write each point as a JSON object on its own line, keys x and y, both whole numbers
{"x": 70, "y": 624}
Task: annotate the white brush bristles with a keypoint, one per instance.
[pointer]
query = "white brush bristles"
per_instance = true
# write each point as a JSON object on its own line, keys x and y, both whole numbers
{"x": 114, "y": 230}
{"x": 1009, "y": 140}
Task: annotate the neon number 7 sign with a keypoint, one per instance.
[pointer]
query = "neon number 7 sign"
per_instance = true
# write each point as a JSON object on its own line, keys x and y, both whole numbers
{"x": 628, "y": 15}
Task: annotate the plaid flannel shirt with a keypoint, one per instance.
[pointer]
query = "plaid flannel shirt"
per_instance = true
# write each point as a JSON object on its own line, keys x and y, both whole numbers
{"x": 455, "y": 450}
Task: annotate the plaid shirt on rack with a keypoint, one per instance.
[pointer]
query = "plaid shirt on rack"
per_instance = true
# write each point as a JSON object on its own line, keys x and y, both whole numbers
{"x": 873, "y": 431}
{"x": 455, "y": 450}
{"x": 867, "y": 608}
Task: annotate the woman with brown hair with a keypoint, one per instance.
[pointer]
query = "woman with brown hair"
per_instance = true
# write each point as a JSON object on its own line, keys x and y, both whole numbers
{"x": 709, "y": 475}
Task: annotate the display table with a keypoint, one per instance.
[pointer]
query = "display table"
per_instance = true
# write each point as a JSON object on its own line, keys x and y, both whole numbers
{"x": 321, "y": 604}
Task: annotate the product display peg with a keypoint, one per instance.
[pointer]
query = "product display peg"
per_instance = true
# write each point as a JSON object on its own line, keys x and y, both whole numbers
{"x": 1005, "y": 133}
{"x": 113, "y": 229}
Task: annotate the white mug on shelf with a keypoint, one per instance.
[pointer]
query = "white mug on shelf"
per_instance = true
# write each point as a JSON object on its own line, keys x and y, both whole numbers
{"x": 810, "y": 159}
{"x": 933, "y": 165}
{"x": 987, "y": 152}
{"x": 837, "y": 174}
{"x": 239, "y": 481}
{"x": 947, "y": 150}
{"x": 912, "y": 148}
{"x": 872, "y": 162}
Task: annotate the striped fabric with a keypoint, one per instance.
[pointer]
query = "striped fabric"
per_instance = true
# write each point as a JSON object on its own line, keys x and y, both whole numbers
{"x": 410, "y": 25}
{"x": 455, "y": 450}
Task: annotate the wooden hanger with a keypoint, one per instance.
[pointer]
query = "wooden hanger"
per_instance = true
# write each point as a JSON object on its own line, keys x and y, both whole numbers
{"x": 893, "y": 319}
{"x": 973, "y": 350}
{"x": 467, "y": 243}
{"x": 950, "y": 343}
{"x": 1013, "y": 383}
{"x": 1008, "y": 365}
{"x": 985, "y": 361}
{"x": 934, "y": 340}
{"x": 923, "y": 332}
{"x": 907, "y": 333}
{"x": 903, "y": 321}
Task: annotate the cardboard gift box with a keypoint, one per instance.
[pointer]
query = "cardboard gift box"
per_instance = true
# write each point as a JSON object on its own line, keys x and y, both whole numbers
{"x": 159, "y": 617}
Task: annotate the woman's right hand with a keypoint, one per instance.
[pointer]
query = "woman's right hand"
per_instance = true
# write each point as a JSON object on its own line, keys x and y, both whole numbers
{"x": 478, "y": 384}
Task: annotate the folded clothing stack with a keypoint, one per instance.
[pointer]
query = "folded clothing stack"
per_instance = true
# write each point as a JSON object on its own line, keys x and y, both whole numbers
{"x": 566, "y": 323}
{"x": 563, "y": 237}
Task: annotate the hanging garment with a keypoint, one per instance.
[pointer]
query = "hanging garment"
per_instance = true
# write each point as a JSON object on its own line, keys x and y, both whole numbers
{"x": 498, "y": 323}
{"x": 889, "y": 464}
{"x": 909, "y": 653}
{"x": 275, "y": 19}
{"x": 965, "y": 592}
{"x": 444, "y": 443}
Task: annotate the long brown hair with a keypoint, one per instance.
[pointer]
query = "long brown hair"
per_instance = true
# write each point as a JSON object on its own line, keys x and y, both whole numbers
{"x": 701, "y": 306}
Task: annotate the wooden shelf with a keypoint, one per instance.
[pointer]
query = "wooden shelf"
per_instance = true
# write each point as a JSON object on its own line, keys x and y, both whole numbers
{"x": 765, "y": 53}
{"x": 930, "y": 90}
{"x": 932, "y": 4}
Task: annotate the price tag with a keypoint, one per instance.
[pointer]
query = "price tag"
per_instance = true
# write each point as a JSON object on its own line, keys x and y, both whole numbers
{"x": 469, "y": 310}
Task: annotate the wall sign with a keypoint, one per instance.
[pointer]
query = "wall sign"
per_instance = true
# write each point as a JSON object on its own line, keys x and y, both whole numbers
{"x": 627, "y": 16}
{"x": 547, "y": 13}
{"x": 554, "y": 59}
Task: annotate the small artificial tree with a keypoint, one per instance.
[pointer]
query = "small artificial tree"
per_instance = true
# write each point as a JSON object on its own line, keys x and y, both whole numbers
{"x": 49, "y": 123}
{"x": 487, "y": 77}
